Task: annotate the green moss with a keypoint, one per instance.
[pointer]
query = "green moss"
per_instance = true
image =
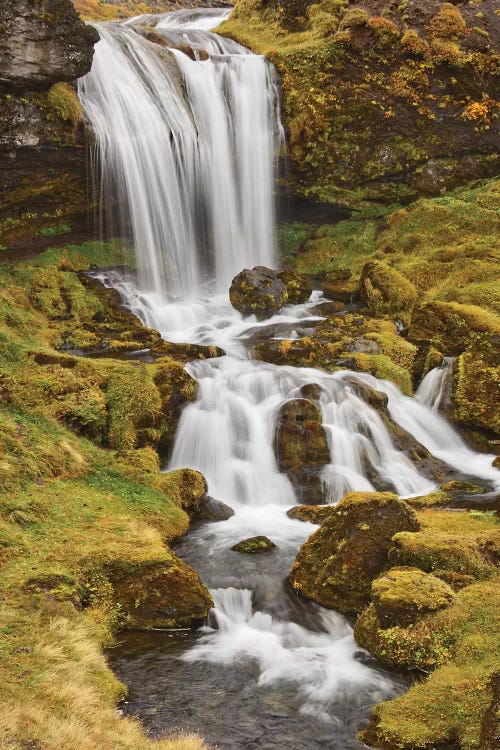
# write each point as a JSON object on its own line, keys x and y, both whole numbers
{"x": 338, "y": 563}
{"x": 385, "y": 291}
{"x": 460, "y": 643}
{"x": 254, "y": 545}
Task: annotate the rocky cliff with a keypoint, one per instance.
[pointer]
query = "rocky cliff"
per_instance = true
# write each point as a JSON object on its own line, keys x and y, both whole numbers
{"x": 383, "y": 101}
{"x": 44, "y": 46}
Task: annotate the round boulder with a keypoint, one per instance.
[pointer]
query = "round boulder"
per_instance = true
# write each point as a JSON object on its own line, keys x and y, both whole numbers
{"x": 262, "y": 291}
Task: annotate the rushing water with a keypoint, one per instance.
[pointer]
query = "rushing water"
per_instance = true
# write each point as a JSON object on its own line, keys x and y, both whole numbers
{"x": 187, "y": 150}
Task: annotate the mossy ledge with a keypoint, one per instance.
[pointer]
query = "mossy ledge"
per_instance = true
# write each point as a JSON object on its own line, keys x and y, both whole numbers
{"x": 85, "y": 514}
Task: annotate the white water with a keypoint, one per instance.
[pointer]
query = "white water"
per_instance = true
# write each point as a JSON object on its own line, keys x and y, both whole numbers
{"x": 194, "y": 171}
{"x": 432, "y": 389}
{"x": 187, "y": 149}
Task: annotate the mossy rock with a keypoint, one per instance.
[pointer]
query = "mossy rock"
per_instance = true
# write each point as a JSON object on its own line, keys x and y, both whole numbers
{"x": 301, "y": 446}
{"x": 434, "y": 499}
{"x": 439, "y": 552}
{"x": 403, "y": 595}
{"x": 263, "y": 291}
{"x": 458, "y": 646}
{"x": 457, "y": 485}
{"x": 475, "y": 388}
{"x": 490, "y": 725}
{"x": 160, "y": 593}
{"x": 254, "y": 545}
{"x": 337, "y": 564}
{"x": 310, "y": 513}
{"x": 385, "y": 291}
{"x": 451, "y": 326}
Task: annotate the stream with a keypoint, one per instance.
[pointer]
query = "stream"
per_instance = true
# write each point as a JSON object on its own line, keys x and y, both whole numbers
{"x": 186, "y": 154}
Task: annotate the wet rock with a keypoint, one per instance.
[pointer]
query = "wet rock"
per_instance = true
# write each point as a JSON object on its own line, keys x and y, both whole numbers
{"x": 310, "y": 513}
{"x": 210, "y": 509}
{"x": 43, "y": 43}
{"x": 301, "y": 447}
{"x": 403, "y": 595}
{"x": 263, "y": 291}
{"x": 311, "y": 391}
{"x": 254, "y": 545}
{"x": 337, "y": 564}
{"x": 327, "y": 308}
{"x": 385, "y": 291}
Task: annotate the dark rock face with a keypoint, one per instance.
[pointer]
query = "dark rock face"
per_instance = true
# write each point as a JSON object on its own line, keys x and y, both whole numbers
{"x": 42, "y": 42}
{"x": 262, "y": 291}
{"x": 301, "y": 447}
{"x": 43, "y": 175}
{"x": 337, "y": 564}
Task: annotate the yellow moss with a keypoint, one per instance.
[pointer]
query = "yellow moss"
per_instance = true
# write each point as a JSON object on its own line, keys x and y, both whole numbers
{"x": 63, "y": 103}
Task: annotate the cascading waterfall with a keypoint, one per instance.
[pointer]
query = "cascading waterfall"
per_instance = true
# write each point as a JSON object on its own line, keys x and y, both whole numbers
{"x": 187, "y": 150}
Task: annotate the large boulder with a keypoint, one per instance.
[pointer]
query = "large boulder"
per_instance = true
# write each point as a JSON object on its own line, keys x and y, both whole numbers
{"x": 301, "y": 447}
{"x": 262, "y": 291}
{"x": 337, "y": 564}
{"x": 43, "y": 42}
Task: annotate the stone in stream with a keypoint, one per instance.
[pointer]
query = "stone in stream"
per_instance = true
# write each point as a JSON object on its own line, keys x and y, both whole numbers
{"x": 210, "y": 509}
{"x": 263, "y": 291}
{"x": 336, "y": 566}
{"x": 310, "y": 513}
{"x": 301, "y": 447}
{"x": 254, "y": 545}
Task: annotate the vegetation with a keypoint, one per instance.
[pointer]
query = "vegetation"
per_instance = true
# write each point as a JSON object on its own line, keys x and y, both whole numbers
{"x": 381, "y": 103}
{"x": 84, "y": 515}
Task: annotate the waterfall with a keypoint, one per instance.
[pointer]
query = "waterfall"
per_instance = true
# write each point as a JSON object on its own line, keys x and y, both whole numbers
{"x": 187, "y": 134}
{"x": 187, "y": 148}
{"x": 432, "y": 389}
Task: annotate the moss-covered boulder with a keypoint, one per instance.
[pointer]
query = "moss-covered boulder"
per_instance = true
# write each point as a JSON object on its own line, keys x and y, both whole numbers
{"x": 263, "y": 291}
{"x": 490, "y": 726}
{"x": 385, "y": 291}
{"x": 301, "y": 446}
{"x": 403, "y": 595}
{"x": 337, "y": 564}
{"x": 161, "y": 593}
{"x": 254, "y": 545}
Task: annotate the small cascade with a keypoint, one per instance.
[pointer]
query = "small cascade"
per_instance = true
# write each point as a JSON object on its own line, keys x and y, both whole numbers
{"x": 321, "y": 664}
{"x": 186, "y": 148}
{"x": 433, "y": 387}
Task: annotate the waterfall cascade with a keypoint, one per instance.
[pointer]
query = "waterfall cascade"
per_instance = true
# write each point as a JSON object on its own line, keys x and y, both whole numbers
{"x": 186, "y": 147}
{"x": 189, "y": 147}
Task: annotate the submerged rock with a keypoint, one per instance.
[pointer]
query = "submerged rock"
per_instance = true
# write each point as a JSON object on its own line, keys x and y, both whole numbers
{"x": 254, "y": 545}
{"x": 338, "y": 563}
{"x": 263, "y": 291}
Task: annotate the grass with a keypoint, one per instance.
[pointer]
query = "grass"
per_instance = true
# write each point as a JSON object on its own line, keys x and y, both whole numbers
{"x": 83, "y": 528}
